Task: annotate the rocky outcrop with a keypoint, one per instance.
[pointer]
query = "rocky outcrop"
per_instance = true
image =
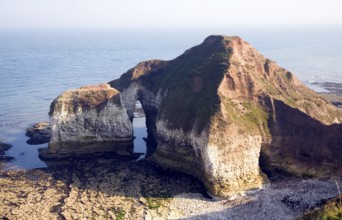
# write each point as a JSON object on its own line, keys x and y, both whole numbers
{"x": 216, "y": 112}
{"x": 221, "y": 104}
{"x": 39, "y": 133}
{"x": 3, "y": 148}
{"x": 88, "y": 120}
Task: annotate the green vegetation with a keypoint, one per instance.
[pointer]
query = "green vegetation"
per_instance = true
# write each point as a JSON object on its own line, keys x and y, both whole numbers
{"x": 190, "y": 81}
{"x": 186, "y": 105}
{"x": 256, "y": 118}
{"x": 119, "y": 213}
{"x": 154, "y": 203}
{"x": 253, "y": 119}
{"x": 190, "y": 84}
{"x": 332, "y": 210}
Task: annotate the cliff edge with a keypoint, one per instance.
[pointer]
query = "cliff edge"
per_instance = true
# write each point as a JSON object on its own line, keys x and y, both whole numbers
{"x": 222, "y": 111}
{"x": 220, "y": 105}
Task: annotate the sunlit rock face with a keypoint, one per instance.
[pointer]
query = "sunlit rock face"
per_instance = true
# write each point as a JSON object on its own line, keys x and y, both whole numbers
{"x": 220, "y": 105}
{"x": 221, "y": 112}
{"x": 87, "y": 120}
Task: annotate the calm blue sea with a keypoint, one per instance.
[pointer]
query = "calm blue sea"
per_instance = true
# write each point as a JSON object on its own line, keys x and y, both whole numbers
{"x": 36, "y": 66}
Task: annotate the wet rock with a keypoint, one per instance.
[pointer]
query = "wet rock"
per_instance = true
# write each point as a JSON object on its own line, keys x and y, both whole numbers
{"x": 3, "y": 159}
{"x": 39, "y": 133}
{"x": 4, "y": 147}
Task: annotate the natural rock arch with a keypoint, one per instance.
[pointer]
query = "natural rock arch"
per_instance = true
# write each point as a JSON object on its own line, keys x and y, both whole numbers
{"x": 150, "y": 104}
{"x": 215, "y": 108}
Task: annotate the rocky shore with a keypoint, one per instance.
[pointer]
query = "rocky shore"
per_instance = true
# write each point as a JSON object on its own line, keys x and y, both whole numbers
{"x": 222, "y": 120}
{"x": 92, "y": 189}
{"x": 333, "y": 94}
{"x": 117, "y": 189}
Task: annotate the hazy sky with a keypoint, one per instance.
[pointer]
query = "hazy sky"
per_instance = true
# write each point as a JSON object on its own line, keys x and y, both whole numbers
{"x": 167, "y": 13}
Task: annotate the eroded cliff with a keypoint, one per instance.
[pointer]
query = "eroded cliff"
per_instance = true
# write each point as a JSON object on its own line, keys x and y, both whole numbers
{"x": 216, "y": 108}
{"x": 220, "y": 104}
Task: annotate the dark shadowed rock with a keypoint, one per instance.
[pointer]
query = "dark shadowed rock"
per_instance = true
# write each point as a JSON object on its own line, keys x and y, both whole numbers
{"x": 39, "y": 133}
{"x": 3, "y": 148}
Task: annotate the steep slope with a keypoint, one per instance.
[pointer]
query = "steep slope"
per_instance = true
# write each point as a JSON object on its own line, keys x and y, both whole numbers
{"x": 220, "y": 112}
{"x": 213, "y": 110}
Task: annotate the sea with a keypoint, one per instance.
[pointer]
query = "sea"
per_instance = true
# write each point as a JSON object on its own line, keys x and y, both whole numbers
{"x": 38, "y": 65}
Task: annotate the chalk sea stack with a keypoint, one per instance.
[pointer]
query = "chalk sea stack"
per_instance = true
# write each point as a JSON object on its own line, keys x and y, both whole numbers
{"x": 217, "y": 112}
{"x": 87, "y": 120}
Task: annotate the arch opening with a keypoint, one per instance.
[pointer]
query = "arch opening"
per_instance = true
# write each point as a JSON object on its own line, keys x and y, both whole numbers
{"x": 139, "y": 131}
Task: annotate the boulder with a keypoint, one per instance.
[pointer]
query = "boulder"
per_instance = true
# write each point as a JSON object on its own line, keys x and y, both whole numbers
{"x": 39, "y": 133}
{"x": 3, "y": 148}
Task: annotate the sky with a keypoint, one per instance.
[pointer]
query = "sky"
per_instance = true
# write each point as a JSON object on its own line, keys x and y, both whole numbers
{"x": 113, "y": 14}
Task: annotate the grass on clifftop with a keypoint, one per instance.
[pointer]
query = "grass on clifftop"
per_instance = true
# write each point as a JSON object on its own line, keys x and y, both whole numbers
{"x": 191, "y": 83}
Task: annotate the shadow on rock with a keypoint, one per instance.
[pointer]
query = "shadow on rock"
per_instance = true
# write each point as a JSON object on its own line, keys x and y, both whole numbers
{"x": 3, "y": 148}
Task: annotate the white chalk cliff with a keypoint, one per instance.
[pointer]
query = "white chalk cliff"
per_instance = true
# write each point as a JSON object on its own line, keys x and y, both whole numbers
{"x": 87, "y": 120}
{"x": 221, "y": 112}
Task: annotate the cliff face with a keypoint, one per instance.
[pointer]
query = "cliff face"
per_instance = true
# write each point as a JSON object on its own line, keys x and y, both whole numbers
{"x": 216, "y": 112}
{"x": 302, "y": 145}
{"x": 87, "y": 120}
{"x": 221, "y": 104}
